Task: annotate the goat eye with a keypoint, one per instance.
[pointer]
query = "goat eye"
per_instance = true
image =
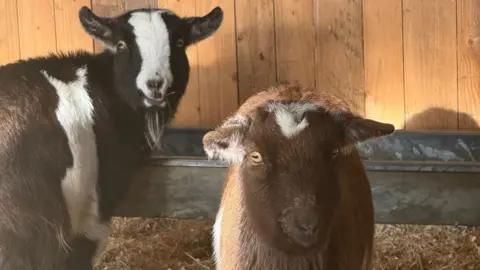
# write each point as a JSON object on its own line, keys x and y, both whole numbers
{"x": 180, "y": 42}
{"x": 335, "y": 153}
{"x": 256, "y": 157}
{"x": 121, "y": 45}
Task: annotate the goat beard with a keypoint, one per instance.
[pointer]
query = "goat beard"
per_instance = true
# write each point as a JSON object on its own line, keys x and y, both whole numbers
{"x": 155, "y": 124}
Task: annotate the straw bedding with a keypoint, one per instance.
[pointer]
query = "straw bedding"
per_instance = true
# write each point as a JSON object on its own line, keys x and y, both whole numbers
{"x": 157, "y": 244}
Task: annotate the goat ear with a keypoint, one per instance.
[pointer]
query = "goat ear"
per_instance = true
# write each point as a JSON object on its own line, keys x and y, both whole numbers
{"x": 100, "y": 28}
{"x": 203, "y": 27}
{"x": 225, "y": 142}
{"x": 358, "y": 129}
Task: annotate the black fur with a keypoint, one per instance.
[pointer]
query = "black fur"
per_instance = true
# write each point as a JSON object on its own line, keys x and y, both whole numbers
{"x": 34, "y": 150}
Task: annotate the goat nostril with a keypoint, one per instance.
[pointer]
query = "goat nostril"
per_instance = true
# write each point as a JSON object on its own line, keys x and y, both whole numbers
{"x": 154, "y": 85}
{"x": 314, "y": 229}
{"x": 307, "y": 228}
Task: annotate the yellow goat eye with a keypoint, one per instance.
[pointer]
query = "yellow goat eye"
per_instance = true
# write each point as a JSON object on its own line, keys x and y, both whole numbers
{"x": 256, "y": 157}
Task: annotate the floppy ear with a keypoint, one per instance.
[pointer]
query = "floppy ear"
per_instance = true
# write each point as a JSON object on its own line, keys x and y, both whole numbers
{"x": 358, "y": 129}
{"x": 225, "y": 142}
{"x": 99, "y": 28}
{"x": 203, "y": 27}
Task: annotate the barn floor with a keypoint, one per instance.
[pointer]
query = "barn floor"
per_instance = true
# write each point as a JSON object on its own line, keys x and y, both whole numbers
{"x": 157, "y": 244}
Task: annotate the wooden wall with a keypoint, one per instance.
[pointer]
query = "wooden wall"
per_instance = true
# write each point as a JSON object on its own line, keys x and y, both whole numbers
{"x": 406, "y": 62}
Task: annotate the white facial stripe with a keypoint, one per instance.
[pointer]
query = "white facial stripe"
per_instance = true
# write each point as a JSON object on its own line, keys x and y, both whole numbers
{"x": 288, "y": 116}
{"x": 75, "y": 113}
{"x": 153, "y": 42}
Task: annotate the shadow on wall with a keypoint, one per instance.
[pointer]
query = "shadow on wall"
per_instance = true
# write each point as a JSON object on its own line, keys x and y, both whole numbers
{"x": 428, "y": 119}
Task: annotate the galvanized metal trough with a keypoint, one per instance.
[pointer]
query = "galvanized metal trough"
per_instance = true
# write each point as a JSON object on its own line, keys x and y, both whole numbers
{"x": 416, "y": 178}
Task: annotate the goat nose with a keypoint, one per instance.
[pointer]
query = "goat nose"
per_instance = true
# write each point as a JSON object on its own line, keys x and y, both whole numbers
{"x": 307, "y": 227}
{"x": 154, "y": 85}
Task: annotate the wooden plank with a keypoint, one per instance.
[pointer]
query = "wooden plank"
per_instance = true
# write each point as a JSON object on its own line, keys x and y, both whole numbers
{"x": 255, "y": 46}
{"x": 9, "y": 40}
{"x": 36, "y": 28}
{"x": 189, "y": 109}
{"x": 134, "y": 4}
{"x": 217, "y": 66}
{"x": 468, "y": 38}
{"x": 70, "y": 34}
{"x": 339, "y": 50}
{"x": 430, "y": 64}
{"x": 295, "y": 41}
{"x": 399, "y": 197}
{"x": 106, "y": 8}
{"x": 383, "y": 52}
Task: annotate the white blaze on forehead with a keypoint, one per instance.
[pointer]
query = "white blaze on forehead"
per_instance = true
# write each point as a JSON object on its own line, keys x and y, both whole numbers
{"x": 288, "y": 116}
{"x": 152, "y": 38}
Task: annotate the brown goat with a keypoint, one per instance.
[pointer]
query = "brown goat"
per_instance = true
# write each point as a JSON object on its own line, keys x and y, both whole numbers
{"x": 296, "y": 194}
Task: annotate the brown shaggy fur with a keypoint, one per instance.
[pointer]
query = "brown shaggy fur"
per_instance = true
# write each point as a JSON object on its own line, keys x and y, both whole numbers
{"x": 251, "y": 236}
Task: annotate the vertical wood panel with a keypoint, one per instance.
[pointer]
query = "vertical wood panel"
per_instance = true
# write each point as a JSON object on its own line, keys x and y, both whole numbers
{"x": 339, "y": 58}
{"x": 70, "y": 33}
{"x": 295, "y": 41}
{"x": 134, "y": 4}
{"x": 383, "y": 51}
{"x": 468, "y": 33}
{"x": 189, "y": 109}
{"x": 9, "y": 41}
{"x": 430, "y": 63}
{"x": 218, "y": 67}
{"x": 255, "y": 46}
{"x": 36, "y": 27}
{"x": 106, "y": 8}
{"x": 321, "y": 42}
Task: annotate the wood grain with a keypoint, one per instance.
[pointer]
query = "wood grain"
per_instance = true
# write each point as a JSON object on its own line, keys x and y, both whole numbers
{"x": 430, "y": 64}
{"x": 106, "y": 8}
{"x": 188, "y": 114}
{"x": 255, "y": 46}
{"x": 468, "y": 53}
{"x": 383, "y": 54}
{"x": 134, "y": 4}
{"x": 295, "y": 41}
{"x": 9, "y": 40}
{"x": 70, "y": 34}
{"x": 36, "y": 28}
{"x": 217, "y": 66}
{"x": 339, "y": 57}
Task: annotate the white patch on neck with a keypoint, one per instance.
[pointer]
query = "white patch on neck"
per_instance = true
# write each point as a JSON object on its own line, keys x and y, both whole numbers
{"x": 216, "y": 236}
{"x": 154, "y": 45}
{"x": 288, "y": 116}
{"x": 75, "y": 113}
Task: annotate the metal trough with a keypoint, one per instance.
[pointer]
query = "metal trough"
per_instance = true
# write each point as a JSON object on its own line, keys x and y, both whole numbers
{"x": 416, "y": 177}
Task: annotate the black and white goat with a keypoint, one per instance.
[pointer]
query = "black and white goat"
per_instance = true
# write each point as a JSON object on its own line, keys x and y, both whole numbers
{"x": 75, "y": 127}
